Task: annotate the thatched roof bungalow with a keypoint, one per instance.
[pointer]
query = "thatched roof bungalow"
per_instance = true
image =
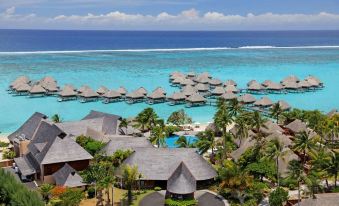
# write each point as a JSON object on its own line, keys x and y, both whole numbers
{"x": 111, "y": 96}
{"x": 230, "y": 82}
{"x": 177, "y": 98}
{"x": 231, "y": 88}
{"x": 135, "y": 97}
{"x": 102, "y": 90}
{"x": 196, "y": 100}
{"x": 88, "y": 95}
{"x": 37, "y": 90}
{"x": 122, "y": 90}
{"x": 228, "y": 96}
{"x": 189, "y": 90}
{"x": 157, "y": 96}
{"x": 67, "y": 93}
{"x": 263, "y": 102}
{"x": 246, "y": 99}
{"x": 218, "y": 91}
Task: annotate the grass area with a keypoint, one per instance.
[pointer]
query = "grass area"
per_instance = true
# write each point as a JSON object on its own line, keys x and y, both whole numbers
{"x": 118, "y": 194}
{"x": 139, "y": 197}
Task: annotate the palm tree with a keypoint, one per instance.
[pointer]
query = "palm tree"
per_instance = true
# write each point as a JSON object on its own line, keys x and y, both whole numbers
{"x": 303, "y": 144}
{"x": 276, "y": 111}
{"x": 182, "y": 142}
{"x": 258, "y": 122}
{"x": 242, "y": 129}
{"x": 222, "y": 117}
{"x": 45, "y": 190}
{"x": 296, "y": 172}
{"x": 179, "y": 118}
{"x": 130, "y": 175}
{"x": 333, "y": 168}
{"x": 123, "y": 123}
{"x": 158, "y": 135}
{"x": 206, "y": 142}
{"x": 234, "y": 107}
{"x": 56, "y": 118}
{"x": 146, "y": 119}
{"x": 274, "y": 151}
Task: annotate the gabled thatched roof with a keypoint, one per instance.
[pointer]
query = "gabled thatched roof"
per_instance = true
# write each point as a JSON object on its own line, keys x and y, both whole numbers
{"x": 24, "y": 87}
{"x": 89, "y": 93}
{"x": 160, "y": 163}
{"x": 125, "y": 143}
{"x": 230, "y": 82}
{"x": 157, "y": 94}
{"x": 274, "y": 86}
{"x": 290, "y": 78}
{"x": 135, "y": 95}
{"x": 284, "y": 105}
{"x": 263, "y": 102}
{"x": 246, "y": 98}
{"x": 251, "y": 82}
{"x": 177, "y": 96}
{"x": 215, "y": 82}
{"x": 255, "y": 86}
{"x": 112, "y": 94}
{"x": 50, "y": 86}
{"x": 122, "y": 90}
{"x": 195, "y": 98}
{"x": 181, "y": 181}
{"x": 218, "y": 91}
{"x": 83, "y": 88}
{"x": 201, "y": 87}
{"x": 67, "y": 92}
{"x": 187, "y": 82}
{"x": 231, "y": 88}
{"x": 266, "y": 82}
{"x": 229, "y": 96}
{"x": 291, "y": 85}
{"x": 20, "y": 80}
{"x": 178, "y": 80}
{"x": 188, "y": 90}
{"x": 142, "y": 90}
{"x": 297, "y": 126}
{"x": 37, "y": 89}
{"x": 102, "y": 90}
{"x": 68, "y": 177}
{"x": 161, "y": 90}
{"x": 304, "y": 84}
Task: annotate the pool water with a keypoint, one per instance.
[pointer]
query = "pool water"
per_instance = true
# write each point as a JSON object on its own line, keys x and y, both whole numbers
{"x": 170, "y": 141}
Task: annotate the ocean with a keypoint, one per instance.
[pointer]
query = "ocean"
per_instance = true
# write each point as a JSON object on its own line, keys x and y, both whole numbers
{"x": 146, "y": 58}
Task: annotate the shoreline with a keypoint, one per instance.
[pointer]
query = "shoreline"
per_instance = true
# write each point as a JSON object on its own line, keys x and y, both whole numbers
{"x": 3, "y": 137}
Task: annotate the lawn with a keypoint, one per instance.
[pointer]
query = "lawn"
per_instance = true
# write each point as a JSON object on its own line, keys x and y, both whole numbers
{"x": 118, "y": 195}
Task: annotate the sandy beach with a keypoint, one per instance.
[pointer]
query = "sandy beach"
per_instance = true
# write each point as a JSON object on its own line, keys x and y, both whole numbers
{"x": 3, "y": 137}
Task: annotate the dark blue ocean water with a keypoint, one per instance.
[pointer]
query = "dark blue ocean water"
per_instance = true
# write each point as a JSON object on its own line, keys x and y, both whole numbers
{"x": 51, "y": 40}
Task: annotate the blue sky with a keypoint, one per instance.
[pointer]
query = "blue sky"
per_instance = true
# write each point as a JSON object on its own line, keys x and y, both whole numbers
{"x": 170, "y": 14}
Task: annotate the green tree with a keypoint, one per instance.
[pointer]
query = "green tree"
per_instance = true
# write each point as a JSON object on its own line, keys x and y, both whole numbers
{"x": 303, "y": 144}
{"x": 278, "y": 197}
{"x": 296, "y": 172}
{"x": 146, "y": 119}
{"x": 182, "y": 142}
{"x": 71, "y": 197}
{"x": 45, "y": 191}
{"x": 242, "y": 128}
{"x": 56, "y": 118}
{"x": 123, "y": 123}
{"x": 206, "y": 141}
{"x": 158, "y": 135}
{"x": 90, "y": 145}
{"x": 179, "y": 118}
{"x": 276, "y": 111}
{"x": 130, "y": 175}
{"x": 234, "y": 108}
{"x": 333, "y": 168}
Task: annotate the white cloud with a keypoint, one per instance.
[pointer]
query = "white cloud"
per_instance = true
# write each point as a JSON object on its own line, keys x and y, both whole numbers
{"x": 186, "y": 20}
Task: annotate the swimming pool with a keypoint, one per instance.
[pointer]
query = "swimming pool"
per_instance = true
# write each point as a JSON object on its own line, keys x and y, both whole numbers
{"x": 170, "y": 141}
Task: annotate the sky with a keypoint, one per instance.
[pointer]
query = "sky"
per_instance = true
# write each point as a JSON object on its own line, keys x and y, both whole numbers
{"x": 170, "y": 14}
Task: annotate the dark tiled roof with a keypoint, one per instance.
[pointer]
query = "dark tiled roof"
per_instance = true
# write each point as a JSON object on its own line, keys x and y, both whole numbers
{"x": 25, "y": 167}
{"x": 125, "y": 143}
{"x": 68, "y": 177}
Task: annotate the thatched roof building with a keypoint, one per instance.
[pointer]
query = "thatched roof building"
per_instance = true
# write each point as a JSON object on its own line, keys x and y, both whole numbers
{"x": 186, "y": 82}
{"x": 263, "y": 102}
{"x": 215, "y": 82}
{"x": 83, "y": 88}
{"x": 89, "y": 93}
{"x": 228, "y": 96}
{"x": 37, "y": 89}
{"x": 291, "y": 85}
{"x": 218, "y": 91}
{"x": 20, "y": 80}
{"x": 188, "y": 90}
{"x": 290, "y": 78}
{"x": 201, "y": 87}
{"x": 156, "y": 95}
{"x": 125, "y": 143}
{"x": 142, "y": 90}
{"x": 246, "y": 98}
{"x": 230, "y": 82}
{"x": 274, "y": 86}
{"x": 102, "y": 90}
{"x": 24, "y": 87}
{"x": 181, "y": 181}
{"x": 196, "y": 98}
{"x": 68, "y": 91}
{"x": 177, "y": 96}
{"x": 266, "y": 83}
{"x": 112, "y": 94}
{"x": 122, "y": 90}
{"x": 284, "y": 105}
{"x": 67, "y": 176}
{"x": 255, "y": 86}
{"x": 297, "y": 126}
{"x": 161, "y": 90}
{"x": 231, "y": 88}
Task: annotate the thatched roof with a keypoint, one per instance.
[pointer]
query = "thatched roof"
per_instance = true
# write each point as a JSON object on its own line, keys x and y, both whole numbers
{"x": 291, "y": 85}
{"x": 290, "y": 78}
{"x": 177, "y": 96}
{"x": 321, "y": 199}
{"x": 311, "y": 77}
{"x": 202, "y": 79}
{"x": 284, "y": 105}
{"x": 246, "y": 98}
{"x": 89, "y": 93}
{"x": 135, "y": 95}
{"x": 266, "y": 83}
{"x": 160, "y": 163}
{"x": 25, "y": 165}
{"x": 37, "y": 89}
{"x": 191, "y": 74}
{"x": 20, "y": 80}
{"x": 157, "y": 94}
{"x": 229, "y": 96}
{"x": 51, "y": 87}
{"x": 274, "y": 86}
{"x": 188, "y": 90}
{"x": 313, "y": 83}
{"x": 178, "y": 80}
{"x": 263, "y": 102}
{"x": 67, "y": 92}
{"x": 271, "y": 128}
{"x": 187, "y": 82}
{"x": 125, "y": 143}
{"x": 102, "y": 90}
{"x": 284, "y": 139}
{"x": 175, "y": 75}
{"x": 48, "y": 79}
{"x": 251, "y": 82}
{"x": 201, "y": 87}
{"x": 24, "y": 87}
{"x": 205, "y": 74}
{"x": 70, "y": 86}
{"x": 122, "y": 90}
{"x": 195, "y": 98}
{"x": 142, "y": 90}
{"x": 181, "y": 181}
{"x": 297, "y": 126}
{"x": 218, "y": 91}
{"x": 112, "y": 94}
{"x": 68, "y": 177}
{"x": 83, "y": 88}
{"x": 285, "y": 159}
{"x": 215, "y": 82}
{"x": 231, "y": 88}
{"x": 304, "y": 84}
{"x": 160, "y": 89}
{"x": 255, "y": 86}
{"x": 230, "y": 82}
{"x": 246, "y": 144}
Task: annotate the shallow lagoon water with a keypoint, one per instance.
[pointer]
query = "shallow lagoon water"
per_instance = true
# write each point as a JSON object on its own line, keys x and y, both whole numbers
{"x": 151, "y": 69}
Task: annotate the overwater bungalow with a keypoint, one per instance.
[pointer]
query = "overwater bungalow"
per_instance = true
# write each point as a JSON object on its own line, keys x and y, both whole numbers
{"x": 202, "y": 79}
{"x": 266, "y": 83}
{"x": 189, "y": 90}
{"x": 88, "y": 95}
{"x": 228, "y": 96}
{"x": 215, "y": 82}
{"x": 135, "y": 97}
{"x": 246, "y": 99}
{"x": 83, "y": 88}
{"x": 263, "y": 102}
{"x": 161, "y": 90}
{"x": 205, "y": 74}
{"x": 196, "y": 100}
{"x": 202, "y": 88}
{"x": 314, "y": 81}
{"x": 217, "y": 91}
{"x": 67, "y": 93}
{"x": 22, "y": 89}
{"x": 230, "y": 82}
{"x": 251, "y": 82}
{"x": 47, "y": 79}
{"x": 290, "y": 78}
{"x": 187, "y": 82}
{"x": 157, "y": 96}
{"x": 37, "y": 91}
{"x": 142, "y": 90}
{"x": 177, "y": 81}
{"x": 273, "y": 87}
{"x": 292, "y": 86}
{"x": 111, "y": 96}
{"x": 190, "y": 75}
{"x": 102, "y": 90}
{"x": 177, "y": 98}
{"x": 176, "y": 75}
{"x": 18, "y": 81}
{"x": 231, "y": 88}
{"x": 305, "y": 85}
{"x": 284, "y": 105}
{"x": 51, "y": 88}
{"x": 122, "y": 90}
{"x": 255, "y": 87}
{"x": 71, "y": 86}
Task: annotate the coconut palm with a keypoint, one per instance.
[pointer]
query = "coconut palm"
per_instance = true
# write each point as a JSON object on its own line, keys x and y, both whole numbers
{"x": 303, "y": 144}
{"x": 234, "y": 107}
{"x": 241, "y": 129}
{"x": 130, "y": 175}
{"x": 182, "y": 142}
{"x": 274, "y": 151}
{"x": 276, "y": 111}
{"x": 333, "y": 168}
{"x": 258, "y": 122}
{"x": 146, "y": 119}
{"x": 123, "y": 123}
{"x": 46, "y": 191}
{"x": 296, "y": 172}
{"x": 222, "y": 117}
{"x": 158, "y": 135}
{"x": 206, "y": 142}
{"x": 320, "y": 161}
{"x": 179, "y": 118}
{"x": 56, "y": 118}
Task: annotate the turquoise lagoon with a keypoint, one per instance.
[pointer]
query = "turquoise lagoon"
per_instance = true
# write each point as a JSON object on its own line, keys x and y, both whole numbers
{"x": 150, "y": 69}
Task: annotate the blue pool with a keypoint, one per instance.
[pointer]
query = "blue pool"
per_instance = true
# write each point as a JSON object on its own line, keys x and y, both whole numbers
{"x": 170, "y": 141}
